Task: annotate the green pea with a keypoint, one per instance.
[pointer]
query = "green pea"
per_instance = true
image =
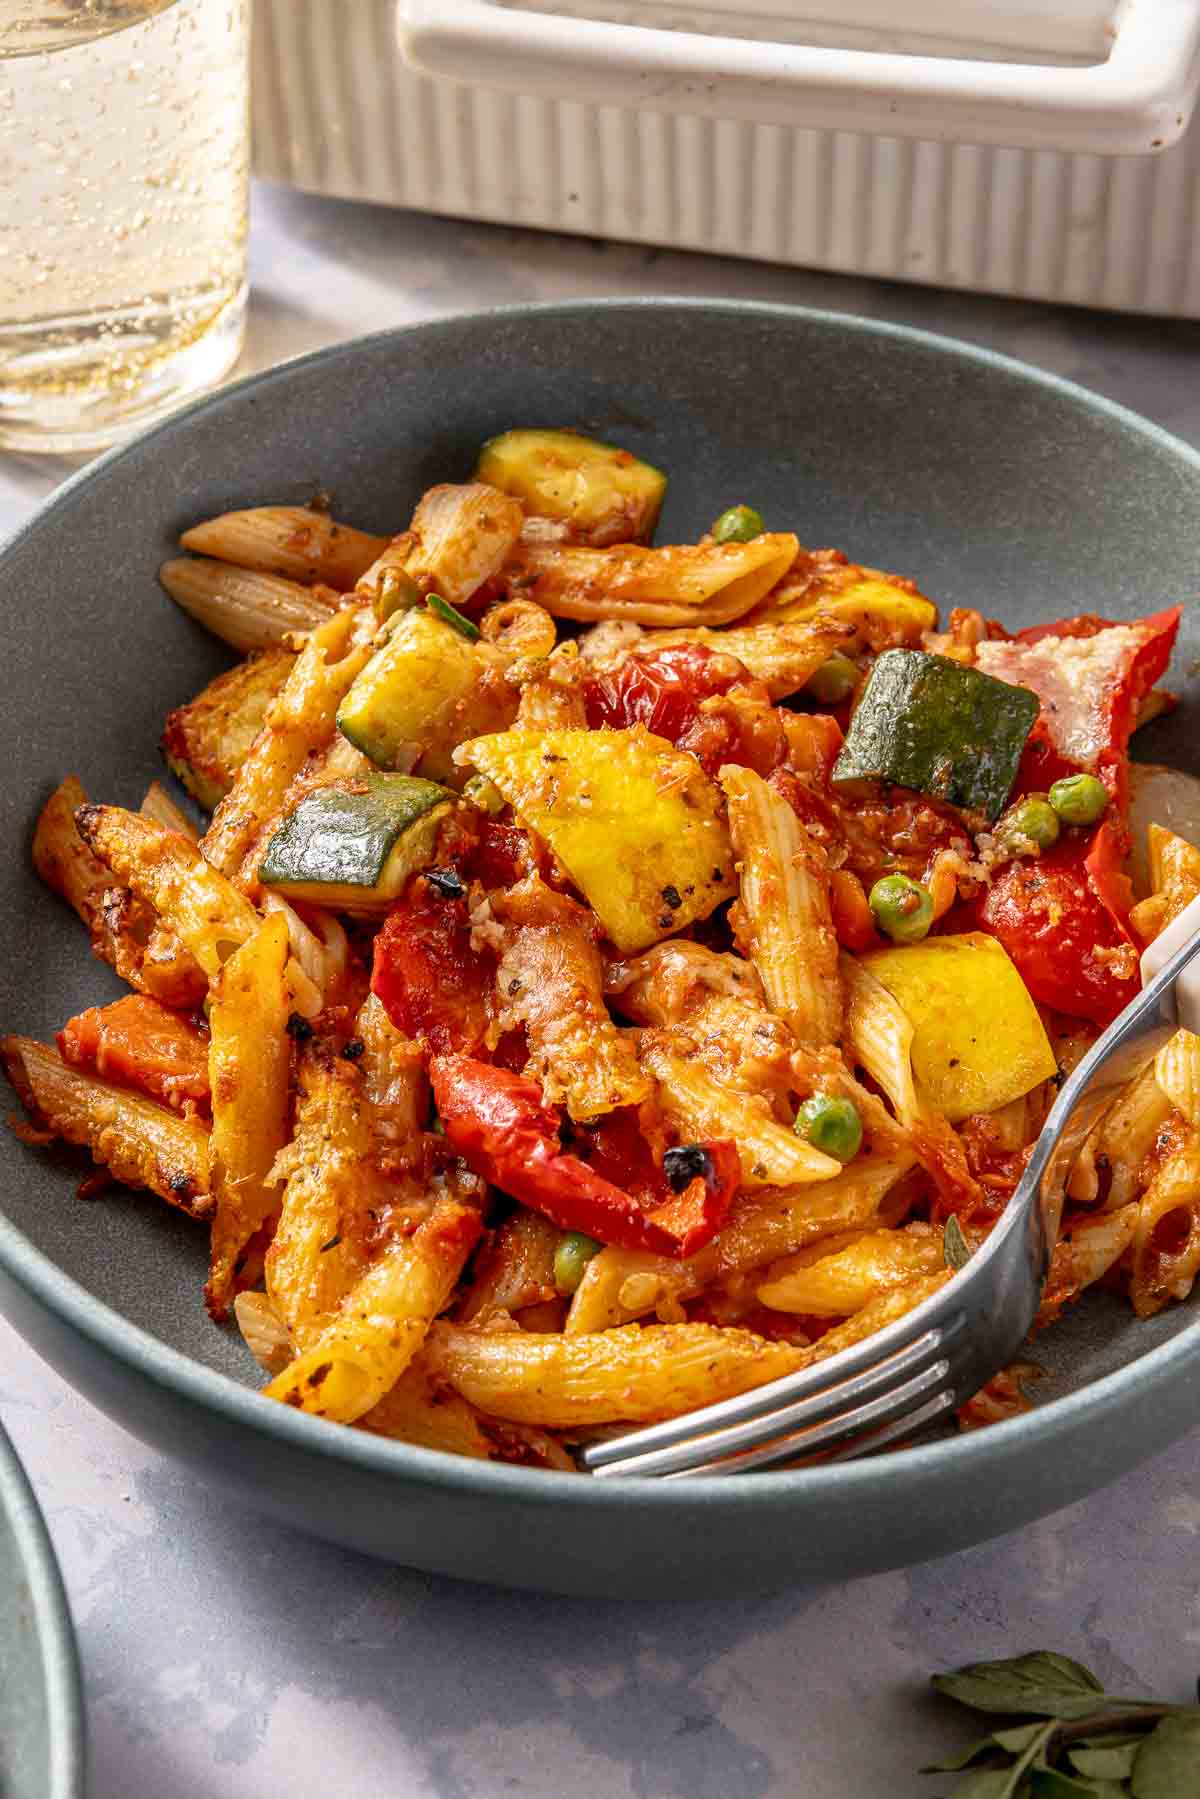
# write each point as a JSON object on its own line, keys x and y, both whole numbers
{"x": 834, "y": 681}
{"x": 572, "y": 1256}
{"x": 903, "y": 909}
{"x": 1079, "y": 799}
{"x": 831, "y": 1125}
{"x": 740, "y": 524}
{"x": 1034, "y": 819}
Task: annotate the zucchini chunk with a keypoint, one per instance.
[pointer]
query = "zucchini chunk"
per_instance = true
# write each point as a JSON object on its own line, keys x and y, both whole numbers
{"x": 927, "y": 723}
{"x": 635, "y": 822}
{"x": 353, "y": 849}
{"x": 205, "y": 742}
{"x": 424, "y": 670}
{"x": 604, "y": 494}
{"x": 978, "y": 1041}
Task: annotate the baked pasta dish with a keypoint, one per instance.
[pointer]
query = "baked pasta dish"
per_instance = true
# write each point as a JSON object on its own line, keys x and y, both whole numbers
{"x": 614, "y": 976}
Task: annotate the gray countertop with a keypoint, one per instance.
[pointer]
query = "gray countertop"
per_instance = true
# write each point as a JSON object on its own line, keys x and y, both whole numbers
{"x": 224, "y": 1656}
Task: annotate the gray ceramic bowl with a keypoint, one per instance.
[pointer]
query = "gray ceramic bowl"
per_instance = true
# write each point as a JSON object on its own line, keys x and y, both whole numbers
{"x": 994, "y": 486}
{"x": 41, "y": 1710}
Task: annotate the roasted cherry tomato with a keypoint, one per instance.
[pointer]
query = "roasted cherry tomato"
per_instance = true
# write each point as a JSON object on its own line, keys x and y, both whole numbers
{"x": 432, "y": 984}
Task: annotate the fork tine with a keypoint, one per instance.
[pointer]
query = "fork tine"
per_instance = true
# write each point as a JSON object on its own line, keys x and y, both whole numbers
{"x": 896, "y": 1403}
{"x": 863, "y": 1363}
{"x": 789, "y": 1408}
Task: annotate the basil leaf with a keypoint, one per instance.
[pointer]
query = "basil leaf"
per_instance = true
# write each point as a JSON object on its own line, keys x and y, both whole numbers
{"x": 956, "y": 1251}
{"x": 1014, "y": 1740}
{"x": 1112, "y": 1763}
{"x": 451, "y": 615}
{"x": 1168, "y": 1763}
{"x": 1041, "y": 1685}
{"x": 994, "y": 1783}
{"x": 1052, "y": 1783}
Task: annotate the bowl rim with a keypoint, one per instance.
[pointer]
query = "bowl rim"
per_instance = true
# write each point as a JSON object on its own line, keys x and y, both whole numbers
{"x": 57, "y": 1648}
{"x": 977, "y": 1454}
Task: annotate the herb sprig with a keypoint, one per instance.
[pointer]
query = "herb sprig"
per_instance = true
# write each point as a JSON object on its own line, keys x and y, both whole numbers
{"x": 1080, "y": 1742}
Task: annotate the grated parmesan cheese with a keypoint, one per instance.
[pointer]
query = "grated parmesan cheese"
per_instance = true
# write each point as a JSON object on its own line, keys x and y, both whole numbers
{"x": 1069, "y": 675}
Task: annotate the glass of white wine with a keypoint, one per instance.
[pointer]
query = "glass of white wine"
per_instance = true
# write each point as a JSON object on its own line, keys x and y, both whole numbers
{"x": 123, "y": 212}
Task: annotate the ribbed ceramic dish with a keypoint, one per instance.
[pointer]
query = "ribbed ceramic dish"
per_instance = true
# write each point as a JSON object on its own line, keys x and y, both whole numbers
{"x": 41, "y": 1705}
{"x": 337, "y": 111}
{"x": 992, "y": 485}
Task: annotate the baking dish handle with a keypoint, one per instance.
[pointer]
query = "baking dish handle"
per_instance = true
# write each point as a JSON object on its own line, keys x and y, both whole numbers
{"x": 1139, "y": 100}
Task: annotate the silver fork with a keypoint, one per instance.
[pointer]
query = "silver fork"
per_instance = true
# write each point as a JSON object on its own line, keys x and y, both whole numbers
{"x": 908, "y": 1375}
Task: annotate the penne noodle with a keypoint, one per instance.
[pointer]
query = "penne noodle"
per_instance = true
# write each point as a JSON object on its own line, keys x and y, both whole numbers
{"x": 362, "y": 1351}
{"x": 701, "y": 1110}
{"x": 1177, "y": 1074}
{"x": 424, "y": 1412}
{"x": 686, "y": 584}
{"x": 396, "y": 1085}
{"x": 295, "y": 541}
{"x": 159, "y": 806}
{"x": 329, "y": 1190}
{"x": 784, "y": 655}
{"x": 463, "y": 536}
{"x": 248, "y": 1068}
{"x": 622, "y": 1284}
{"x": 246, "y": 610}
{"x": 299, "y": 721}
{"x": 784, "y": 923}
{"x": 1084, "y": 1254}
{"x": 515, "y": 1271}
{"x": 1166, "y": 1240}
{"x": 550, "y": 980}
{"x": 139, "y": 1142}
{"x": 835, "y": 1279}
{"x": 634, "y": 1374}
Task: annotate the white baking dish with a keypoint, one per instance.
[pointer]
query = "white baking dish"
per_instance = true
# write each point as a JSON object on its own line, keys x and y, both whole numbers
{"x": 337, "y": 110}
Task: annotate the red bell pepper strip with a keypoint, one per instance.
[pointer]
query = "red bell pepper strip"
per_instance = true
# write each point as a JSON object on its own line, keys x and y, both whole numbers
{"x": 1061, "y": 918}
{"x": 137, "y": 1042}
{"x": 500, "y": 1125}
{"x": 1106, "y": 706}
{"x": 433, "y": 986}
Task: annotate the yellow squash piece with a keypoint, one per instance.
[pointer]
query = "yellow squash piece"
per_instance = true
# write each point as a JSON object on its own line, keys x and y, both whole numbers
{"x": 634, "y": 821}
{"x": 978, "y": 1041}
{"x": 886, "y": 613}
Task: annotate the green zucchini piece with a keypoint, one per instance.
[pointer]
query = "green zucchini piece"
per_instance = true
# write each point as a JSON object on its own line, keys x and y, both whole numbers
{"x": 353, "y": 849}
{"x": 605, "y": 494}
{"x": 423, "y": 670}
{"x": 929, "y": 723}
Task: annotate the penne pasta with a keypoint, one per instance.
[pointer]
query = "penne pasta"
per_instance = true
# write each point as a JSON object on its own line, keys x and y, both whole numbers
{"x": 784, "y": 923}
{"x": 550, "y": 980}
{"x": 356, "y": 1357}
{"x": 161, "y": 808}
{"x": 633, "y": 1374}
{"x": 1166, "y": 1238}
{"x": 691, "y": 584}
{"x": 246, "y": 610}
{"x": 299, "y": 721}
{"x": 462, "y": 537}
{"x": 784, "y": 654}
{"x": 306, "y": 546}
{"x": 139, "y": 1142}
{"x": 699, "y": 1108}
{"x": 835, "y": 1278}
{"x": 1177, "y": 1074}
{"x": 516, "y": 1270}
{"x": 248, "y": 1066}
